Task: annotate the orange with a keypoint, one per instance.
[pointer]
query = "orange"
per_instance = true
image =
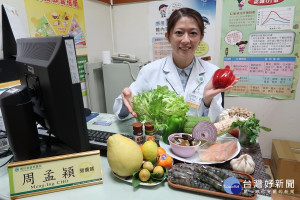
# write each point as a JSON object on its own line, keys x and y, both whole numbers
{"x": 141, "y": 146}
{"x": 161, "y": 151}
{"x": 165, "y": 160}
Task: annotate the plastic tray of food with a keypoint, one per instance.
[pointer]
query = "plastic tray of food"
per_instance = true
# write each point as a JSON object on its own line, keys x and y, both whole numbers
{"x": 195, "y": 158}
{"x": 217, "y": 193}
{"x": 220, "y": 150}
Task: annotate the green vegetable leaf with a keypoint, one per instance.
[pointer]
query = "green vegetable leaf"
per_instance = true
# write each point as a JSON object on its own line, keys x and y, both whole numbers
{"x": 265, "y": 128}
{"x": 154, "y": 176}
{"x": 135, "y": 179}
{"x": 153, "y": 161}
{"x": 158, "y": 105}
{"x": 253, "y": 138}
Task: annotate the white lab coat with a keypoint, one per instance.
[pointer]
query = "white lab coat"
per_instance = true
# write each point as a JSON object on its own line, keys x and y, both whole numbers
{"x": 163, "y": 72}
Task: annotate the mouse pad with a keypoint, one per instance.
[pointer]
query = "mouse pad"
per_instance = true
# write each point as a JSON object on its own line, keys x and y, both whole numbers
{"x": 91, "y": 116}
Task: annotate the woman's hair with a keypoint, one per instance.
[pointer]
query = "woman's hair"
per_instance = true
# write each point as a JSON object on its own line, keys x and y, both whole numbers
{"x": 185, "y": 12}
{"x": 241, "y": 42}
{"x": 162, "y": 6}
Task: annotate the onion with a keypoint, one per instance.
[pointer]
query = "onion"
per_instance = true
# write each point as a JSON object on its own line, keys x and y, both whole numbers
{"x": 205, "y": 130}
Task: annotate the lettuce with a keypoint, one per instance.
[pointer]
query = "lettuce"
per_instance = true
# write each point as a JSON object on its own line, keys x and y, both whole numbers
{"x": 157, "y": 105}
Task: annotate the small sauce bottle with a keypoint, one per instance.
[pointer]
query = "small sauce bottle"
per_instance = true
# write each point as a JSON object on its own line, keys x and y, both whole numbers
{"x": 138, "y": 132}
{"x": 158, "y": 134}
{"x": 149, "y": 131}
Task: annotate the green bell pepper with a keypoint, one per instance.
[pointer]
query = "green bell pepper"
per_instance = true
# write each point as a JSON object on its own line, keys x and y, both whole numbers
{"x": 175, "y": 124}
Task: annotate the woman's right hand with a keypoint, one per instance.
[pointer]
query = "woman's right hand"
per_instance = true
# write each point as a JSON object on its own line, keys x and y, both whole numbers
{"x": 127, "y": 98}
{"x": 210, "y": 91}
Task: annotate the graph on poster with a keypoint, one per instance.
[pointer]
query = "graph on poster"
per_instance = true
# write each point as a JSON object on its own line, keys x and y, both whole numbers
{"x": 276, "y": 18}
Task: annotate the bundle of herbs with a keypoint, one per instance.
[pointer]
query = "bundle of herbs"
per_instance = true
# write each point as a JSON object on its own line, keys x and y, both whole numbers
{"x": 251, "y": 126}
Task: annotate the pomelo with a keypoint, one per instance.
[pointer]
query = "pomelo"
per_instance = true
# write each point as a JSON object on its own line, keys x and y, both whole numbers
{"x": 124, "y": 155}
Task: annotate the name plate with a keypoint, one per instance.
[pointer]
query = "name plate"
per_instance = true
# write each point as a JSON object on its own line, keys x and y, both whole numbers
{"x": 52, "y": 174}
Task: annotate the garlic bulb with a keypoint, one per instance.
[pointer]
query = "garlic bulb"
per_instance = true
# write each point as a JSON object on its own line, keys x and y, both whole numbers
{"x": 244, "y": 163}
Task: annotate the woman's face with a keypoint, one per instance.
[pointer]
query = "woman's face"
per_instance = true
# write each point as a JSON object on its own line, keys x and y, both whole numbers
{"x": 184, "y": 38}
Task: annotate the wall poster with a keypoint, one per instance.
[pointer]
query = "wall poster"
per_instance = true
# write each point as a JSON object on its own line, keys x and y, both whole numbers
{"x": 59, "y": 17}
{"x": 260, "y": 42}
{"x": 81, "y": 61}
{"x": 160, "y": 13}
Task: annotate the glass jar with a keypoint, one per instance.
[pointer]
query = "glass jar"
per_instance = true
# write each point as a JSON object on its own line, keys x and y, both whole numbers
{"x": 158, "y": 134}
{"x": 245, "y": 141}
{"x": 138, "y": 132}
{"x": 149, "y": 131}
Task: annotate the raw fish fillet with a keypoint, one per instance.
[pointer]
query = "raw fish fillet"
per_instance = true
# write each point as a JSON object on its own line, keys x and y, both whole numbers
{"x": 219, "y": 152}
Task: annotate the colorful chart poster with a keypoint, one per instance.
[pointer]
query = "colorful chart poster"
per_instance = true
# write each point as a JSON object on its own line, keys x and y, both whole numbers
{"x": 160, "y": 13}
{"x": 57, "y": 17}
{"x": 60, "y": 17}
{"x": 260, "y": 42}
{"x": 81, "y": 61}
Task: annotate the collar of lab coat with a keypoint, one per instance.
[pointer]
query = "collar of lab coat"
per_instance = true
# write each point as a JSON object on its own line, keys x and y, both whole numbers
{"x": 172, "y": 76}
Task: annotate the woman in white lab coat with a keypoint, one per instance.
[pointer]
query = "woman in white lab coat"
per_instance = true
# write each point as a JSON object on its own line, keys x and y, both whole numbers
{"x": 185, "y": 32}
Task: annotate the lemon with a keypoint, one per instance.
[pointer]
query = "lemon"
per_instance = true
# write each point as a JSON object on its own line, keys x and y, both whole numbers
{"x": 144, "y": 175}
{"x": 158, "y": 170}
{"x": 149, "y": 150}
{"x": 148, "y": 165}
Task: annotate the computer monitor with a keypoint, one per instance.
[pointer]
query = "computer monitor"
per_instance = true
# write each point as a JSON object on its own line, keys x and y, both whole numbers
{"x": 8, "y": 65}
{"x": 49, "y": 70}
{"x": 8, "y": 39}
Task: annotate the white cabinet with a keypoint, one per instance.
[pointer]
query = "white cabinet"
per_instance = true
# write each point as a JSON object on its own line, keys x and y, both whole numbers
{"x": 95, "y": 87}
{"x": 116, "y": 77}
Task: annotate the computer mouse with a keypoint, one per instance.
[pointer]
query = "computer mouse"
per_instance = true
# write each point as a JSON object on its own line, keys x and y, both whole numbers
{"x": 87, "y": 111}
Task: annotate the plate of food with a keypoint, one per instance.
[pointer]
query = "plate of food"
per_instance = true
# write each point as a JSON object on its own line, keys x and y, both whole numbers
{"x": 223, "y": 149}
{"x": 208, "y": 180}
{"x": 129, "y": 179}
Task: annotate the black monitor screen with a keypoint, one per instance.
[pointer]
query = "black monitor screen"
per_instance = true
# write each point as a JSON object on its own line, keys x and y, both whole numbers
{"x": 8, "y": 39}
{"x": 8, "y": 66}
{"x": 49, "y": 70}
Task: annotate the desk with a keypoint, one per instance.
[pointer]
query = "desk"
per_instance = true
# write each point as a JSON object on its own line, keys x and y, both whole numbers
{"x": 112, "y": 188}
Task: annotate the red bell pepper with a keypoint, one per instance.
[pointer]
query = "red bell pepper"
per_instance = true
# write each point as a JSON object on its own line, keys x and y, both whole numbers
{"x": 223, "y": 78}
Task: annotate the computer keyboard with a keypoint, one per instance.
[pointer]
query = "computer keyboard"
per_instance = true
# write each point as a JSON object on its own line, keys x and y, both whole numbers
{"x": 98, "y": 139}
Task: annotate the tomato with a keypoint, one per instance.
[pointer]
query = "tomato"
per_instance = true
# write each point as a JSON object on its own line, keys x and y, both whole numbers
{"x": 234, "y": 132}
{"x": 223, "y": 78}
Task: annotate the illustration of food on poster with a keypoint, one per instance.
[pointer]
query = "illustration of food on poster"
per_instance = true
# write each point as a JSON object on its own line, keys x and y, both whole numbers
{"x": 60, "y": 17}
{"x": 260, "y": 42}
{"x": 158, "y": 20}
{"x": 57, "y": 18}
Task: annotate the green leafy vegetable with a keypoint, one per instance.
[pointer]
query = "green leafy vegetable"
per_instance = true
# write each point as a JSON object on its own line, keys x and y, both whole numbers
{"x": 251, "y": 126}
{"x": 135, "y": 179}
{"x": 157, "y": 105}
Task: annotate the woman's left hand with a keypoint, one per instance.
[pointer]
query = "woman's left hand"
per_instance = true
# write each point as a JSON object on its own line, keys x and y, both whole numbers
{"x": 210, "y": 92}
